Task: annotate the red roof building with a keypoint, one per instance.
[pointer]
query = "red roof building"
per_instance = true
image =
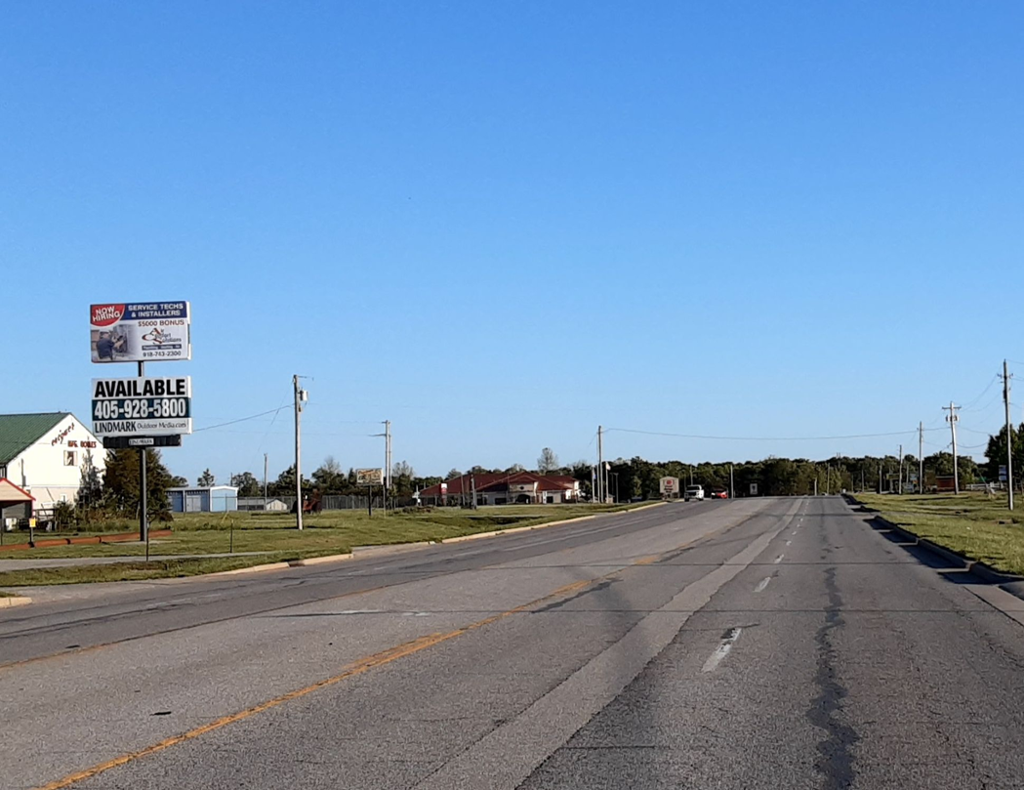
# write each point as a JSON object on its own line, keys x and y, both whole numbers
{"x": 504, "y": 488}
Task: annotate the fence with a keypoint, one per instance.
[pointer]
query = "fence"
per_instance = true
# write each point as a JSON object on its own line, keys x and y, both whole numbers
{"x": 329, "y": 502}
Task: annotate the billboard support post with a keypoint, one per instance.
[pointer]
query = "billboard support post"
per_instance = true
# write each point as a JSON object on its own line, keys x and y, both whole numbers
{"x": 143, "y": 488}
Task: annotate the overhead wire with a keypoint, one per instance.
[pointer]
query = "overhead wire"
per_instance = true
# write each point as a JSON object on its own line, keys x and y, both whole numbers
{"x": 767, "y": 438}
{"x": 242, "y": 419}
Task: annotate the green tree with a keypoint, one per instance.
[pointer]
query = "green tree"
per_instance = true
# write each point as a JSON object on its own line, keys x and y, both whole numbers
{"x": 247, "y": 484}
{"x": 329, "y": 477}
{"x": 121, "y": 489}
{"x": 402, "y": 475}
{"x": 206, "y": 479}
{"x": 995, "y": 454}
{"x": 941, "y": 464}
{"x": 89, "y": 500}
{"x": 285, "y": 483}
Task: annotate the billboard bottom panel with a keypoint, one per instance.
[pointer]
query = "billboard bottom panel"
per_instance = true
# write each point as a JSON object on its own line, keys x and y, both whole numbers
{"x": 158, "y": 427}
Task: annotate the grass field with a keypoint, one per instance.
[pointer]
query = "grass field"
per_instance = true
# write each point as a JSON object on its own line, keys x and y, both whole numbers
{"x": 972, "y": 524}
{"x": 333, "y": 532}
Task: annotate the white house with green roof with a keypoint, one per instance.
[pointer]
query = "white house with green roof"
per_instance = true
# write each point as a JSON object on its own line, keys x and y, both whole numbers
{"x": 44, "y": 455}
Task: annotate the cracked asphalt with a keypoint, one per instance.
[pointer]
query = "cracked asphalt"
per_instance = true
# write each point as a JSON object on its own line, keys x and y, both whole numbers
{"x": 761, "y": 643}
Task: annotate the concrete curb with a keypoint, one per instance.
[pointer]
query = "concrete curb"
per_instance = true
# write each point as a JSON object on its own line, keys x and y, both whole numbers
{"x": 17, "y": 600}
{"x": 514, "y": 530}
{"x": 277, "y": 566}
{"x": 376, "y": 549}
{"x": 980, "y": 569}
{"x": 321, "y": 560}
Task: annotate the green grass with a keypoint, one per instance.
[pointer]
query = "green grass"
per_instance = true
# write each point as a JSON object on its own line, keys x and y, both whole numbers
{"x": 129, "y": 571}
{"x": 972, "y": 524}
{"x": 333, "y": 532}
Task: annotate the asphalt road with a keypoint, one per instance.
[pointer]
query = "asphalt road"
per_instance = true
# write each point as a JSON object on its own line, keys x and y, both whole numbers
{"x": 761, "y": 643}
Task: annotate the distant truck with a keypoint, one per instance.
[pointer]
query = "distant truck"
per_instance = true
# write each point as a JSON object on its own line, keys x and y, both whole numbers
{"x": 694, "y": 492}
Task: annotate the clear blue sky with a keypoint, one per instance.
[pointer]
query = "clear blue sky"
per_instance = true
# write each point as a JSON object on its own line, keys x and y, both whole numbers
{"x": 501, "y": 224}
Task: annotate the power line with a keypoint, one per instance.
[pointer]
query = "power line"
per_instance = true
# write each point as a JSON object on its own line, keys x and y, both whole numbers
{"x": 242, "y": 419}
{"x": 768, "y": 438}
{"x": 969, "y": 406}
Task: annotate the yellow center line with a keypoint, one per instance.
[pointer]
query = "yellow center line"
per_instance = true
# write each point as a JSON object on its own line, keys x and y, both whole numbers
{"x": 357, "y": 668}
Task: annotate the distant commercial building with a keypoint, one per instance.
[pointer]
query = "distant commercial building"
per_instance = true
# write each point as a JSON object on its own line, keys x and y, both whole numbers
{"x": 15, "y": 504}
{"x": 203, "y": 499}
{"x": 504, "y": 488}
{"x": 44, "y": 455}
{"x": 258, "y": 503}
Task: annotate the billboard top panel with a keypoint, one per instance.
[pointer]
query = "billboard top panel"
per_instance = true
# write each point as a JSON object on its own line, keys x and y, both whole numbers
{"x": 140, "y": 332}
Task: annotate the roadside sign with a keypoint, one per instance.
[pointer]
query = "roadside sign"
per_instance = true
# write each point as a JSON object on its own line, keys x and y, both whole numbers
{"x": 149, "y": 332}
{"x": 142, "y": 407}
{"x": 370, "y": 477}
{"x": 121, "y": 442}
{"x": 753, "y": 489}
{"x": 1003, "y": 476}
{"x": 669, "y": 486}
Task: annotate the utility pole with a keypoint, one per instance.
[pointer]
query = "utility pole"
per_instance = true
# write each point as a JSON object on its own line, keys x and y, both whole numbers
{"x": 264, "y": 481}
{"x": 732, "y": 491}
{"x": 900, "y": 489}
{"x": 1009, "y": 436}
{"x": 920, "y": 458}
{"x": 387, "y": 463}
{"x": 815, "y": 485}
{"x": 952, "y": 419}
{"x": 300, "y": 397}
{"x": 828, "y": 478}
{"x": 472, "y": 483}
{"x": 600, "y": 463}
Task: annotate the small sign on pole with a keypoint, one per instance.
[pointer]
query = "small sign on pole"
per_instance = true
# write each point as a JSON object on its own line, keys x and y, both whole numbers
{"x": 369, "y": 477}
{"x": 753, "y": 489}
{"x": 1003, "y": 477}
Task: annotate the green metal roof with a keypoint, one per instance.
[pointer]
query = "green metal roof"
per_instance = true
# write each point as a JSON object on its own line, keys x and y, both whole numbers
{"x": 19, "y": 431}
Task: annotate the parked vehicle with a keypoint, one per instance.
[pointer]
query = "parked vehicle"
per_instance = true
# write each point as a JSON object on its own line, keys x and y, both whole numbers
{"x": 694, "y": 492}
{"x": 719, "y": 494}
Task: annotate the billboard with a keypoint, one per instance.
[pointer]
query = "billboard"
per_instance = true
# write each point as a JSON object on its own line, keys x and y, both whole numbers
{"x": 142, "y": 332}
{"x": 147, "y": 406}
{"x": 370, "y": 477}
{"x": 669, "y": 486}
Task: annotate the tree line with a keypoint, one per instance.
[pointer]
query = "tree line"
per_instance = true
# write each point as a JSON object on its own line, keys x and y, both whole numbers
{"x": 117, "y": 492}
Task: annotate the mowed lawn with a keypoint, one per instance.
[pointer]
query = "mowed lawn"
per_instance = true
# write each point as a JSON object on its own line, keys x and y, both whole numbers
{"x": 974, "y": 524}
{"x": 330, "y": 532}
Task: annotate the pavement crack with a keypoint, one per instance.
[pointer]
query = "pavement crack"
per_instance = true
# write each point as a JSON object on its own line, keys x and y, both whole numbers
{"x": 835, "y": 762}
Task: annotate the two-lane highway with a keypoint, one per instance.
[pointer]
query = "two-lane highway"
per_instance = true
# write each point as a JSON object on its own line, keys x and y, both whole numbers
{"x": 755, "y": 643}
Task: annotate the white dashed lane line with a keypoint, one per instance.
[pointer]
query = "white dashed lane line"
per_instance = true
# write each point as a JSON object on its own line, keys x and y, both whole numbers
{"x": 722, "y": 650}
{"x": 762, "y": 584}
